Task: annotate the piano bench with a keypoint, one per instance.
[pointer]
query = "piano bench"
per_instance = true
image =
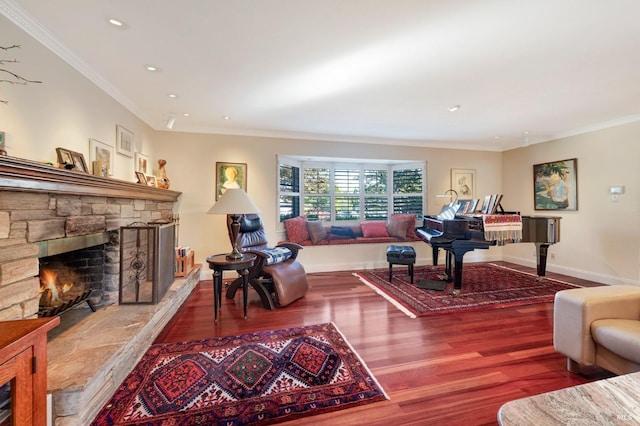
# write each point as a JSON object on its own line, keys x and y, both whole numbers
{"x": 401, "y": 255}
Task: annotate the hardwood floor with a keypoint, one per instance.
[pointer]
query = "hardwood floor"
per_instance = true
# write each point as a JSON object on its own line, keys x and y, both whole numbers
{"x": 445, "y": 370}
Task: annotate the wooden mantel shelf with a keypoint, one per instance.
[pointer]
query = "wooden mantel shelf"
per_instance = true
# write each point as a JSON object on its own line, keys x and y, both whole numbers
{"x": 17, "y": 174}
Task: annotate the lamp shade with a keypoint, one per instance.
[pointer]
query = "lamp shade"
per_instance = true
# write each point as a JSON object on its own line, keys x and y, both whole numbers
{"x": 234, "y": 201}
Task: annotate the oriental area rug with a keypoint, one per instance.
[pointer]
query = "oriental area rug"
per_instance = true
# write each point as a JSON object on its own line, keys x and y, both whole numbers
{"x": 484, "y": 286}
{"x": 257, "y": 378}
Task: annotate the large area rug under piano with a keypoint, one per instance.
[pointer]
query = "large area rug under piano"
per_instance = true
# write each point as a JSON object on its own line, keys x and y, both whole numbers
{"x": 257, "y": 378}
{"x": 484, "y": 286}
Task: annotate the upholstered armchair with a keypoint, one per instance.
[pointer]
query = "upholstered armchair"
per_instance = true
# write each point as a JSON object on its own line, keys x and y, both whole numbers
{"x": 599, "y": 326}
{"x": 277, "y": 276}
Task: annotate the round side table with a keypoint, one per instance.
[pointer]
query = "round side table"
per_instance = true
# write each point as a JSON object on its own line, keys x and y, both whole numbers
{"x": 219, "y": 263}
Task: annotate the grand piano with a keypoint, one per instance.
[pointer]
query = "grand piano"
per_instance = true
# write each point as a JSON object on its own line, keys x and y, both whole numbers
{"x": 458, "y": 234}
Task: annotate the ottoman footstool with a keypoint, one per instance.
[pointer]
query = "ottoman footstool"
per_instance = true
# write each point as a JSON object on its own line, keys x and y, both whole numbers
{"x": 401, "y": 255}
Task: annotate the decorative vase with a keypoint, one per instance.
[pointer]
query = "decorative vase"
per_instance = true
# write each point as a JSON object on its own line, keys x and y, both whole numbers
{"x": 163, "y": 180}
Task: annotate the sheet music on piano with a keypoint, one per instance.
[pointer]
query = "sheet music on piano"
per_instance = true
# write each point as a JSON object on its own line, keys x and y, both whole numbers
{"x": 449, "y": 211}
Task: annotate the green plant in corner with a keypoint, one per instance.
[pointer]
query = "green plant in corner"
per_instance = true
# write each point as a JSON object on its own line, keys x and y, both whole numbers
{"x": 12, "y": 78}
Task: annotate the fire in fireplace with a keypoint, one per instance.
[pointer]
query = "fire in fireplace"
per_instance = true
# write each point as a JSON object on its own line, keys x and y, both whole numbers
{"x": 69, "y": 278}
{"x": 57, "y": 295}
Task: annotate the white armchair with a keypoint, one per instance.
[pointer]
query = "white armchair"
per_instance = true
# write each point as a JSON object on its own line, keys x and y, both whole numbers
{"x": 599, "y": 326}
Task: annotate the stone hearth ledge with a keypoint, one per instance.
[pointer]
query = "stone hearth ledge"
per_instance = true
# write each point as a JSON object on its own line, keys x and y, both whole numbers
{"x": 89, "y": 360}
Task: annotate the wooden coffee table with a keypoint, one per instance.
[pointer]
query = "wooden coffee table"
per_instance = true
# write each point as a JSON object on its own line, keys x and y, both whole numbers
{"x": 613, "y": 401}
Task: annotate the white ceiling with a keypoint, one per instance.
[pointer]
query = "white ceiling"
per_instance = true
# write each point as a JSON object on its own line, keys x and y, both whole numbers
{"x": 358, "y": 70}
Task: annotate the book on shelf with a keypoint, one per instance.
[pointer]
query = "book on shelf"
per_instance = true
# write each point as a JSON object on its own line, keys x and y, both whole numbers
{"x": 185, "y": 261}
{"x": 182, "y": 251}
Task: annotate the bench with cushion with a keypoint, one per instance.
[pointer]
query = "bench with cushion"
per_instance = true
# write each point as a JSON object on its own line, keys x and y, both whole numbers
{"x": 401, "y": 255}
{"x": 399, "y": 228}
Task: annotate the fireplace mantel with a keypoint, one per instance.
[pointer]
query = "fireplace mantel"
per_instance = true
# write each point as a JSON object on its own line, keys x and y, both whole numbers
{"x": 17, "y": 174}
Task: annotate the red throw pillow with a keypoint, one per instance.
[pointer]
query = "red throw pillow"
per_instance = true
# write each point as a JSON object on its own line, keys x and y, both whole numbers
{"x": 411, "y": 220}
{"x": 297, "y": 229}
{"x": 374, "y": 229}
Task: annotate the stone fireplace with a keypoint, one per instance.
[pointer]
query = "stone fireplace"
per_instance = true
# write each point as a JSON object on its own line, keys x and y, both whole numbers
{"x": 42, "y": 208}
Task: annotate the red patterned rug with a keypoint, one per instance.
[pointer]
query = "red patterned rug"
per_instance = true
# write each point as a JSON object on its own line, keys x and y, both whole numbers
{"x": 484, "y": 286}
{"x": 258, "y": 378}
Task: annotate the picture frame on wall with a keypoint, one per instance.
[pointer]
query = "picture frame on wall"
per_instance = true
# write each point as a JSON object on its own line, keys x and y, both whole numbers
{"x": 142, "y": 163}
{"x": 124, "y": 141}
{"x": 555, "y": 185}
{"x": 230, "y": 175}
{"x": 102, "y": 152}
{"x": 463, "y": 181}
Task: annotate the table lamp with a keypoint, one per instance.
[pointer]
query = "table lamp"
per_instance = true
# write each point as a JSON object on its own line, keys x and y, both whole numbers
{"x": 234, "y": 202}
{"x": 451, "y": 192}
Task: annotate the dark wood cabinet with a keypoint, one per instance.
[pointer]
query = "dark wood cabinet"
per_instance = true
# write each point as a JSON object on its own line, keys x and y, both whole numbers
{"x": 23, "y": 370}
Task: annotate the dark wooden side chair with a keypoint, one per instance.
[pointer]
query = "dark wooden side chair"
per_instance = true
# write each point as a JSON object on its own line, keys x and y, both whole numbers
{"x": 277, "y": 276}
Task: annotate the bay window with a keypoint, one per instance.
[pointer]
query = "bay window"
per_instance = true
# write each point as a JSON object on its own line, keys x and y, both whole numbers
{"x": 344, "y": 190}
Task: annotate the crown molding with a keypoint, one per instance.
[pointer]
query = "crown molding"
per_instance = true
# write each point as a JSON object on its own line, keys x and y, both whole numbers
{"x": 31, "y": 26}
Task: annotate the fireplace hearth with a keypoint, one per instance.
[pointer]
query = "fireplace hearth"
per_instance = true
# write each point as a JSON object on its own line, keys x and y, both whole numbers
{"x": 43, "y": 206}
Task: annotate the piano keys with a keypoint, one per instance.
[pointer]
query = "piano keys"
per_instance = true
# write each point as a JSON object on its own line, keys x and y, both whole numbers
{"x": 459, "y": 234}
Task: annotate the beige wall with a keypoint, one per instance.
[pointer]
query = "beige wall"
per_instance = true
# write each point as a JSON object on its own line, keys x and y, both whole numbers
{"x": 191, "y": 169}
{"x": 65, "y": 110}
{"x": 600, "y": 241}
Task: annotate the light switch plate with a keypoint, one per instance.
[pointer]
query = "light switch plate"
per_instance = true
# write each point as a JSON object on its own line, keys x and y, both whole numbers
{"x": 617, "y": 189}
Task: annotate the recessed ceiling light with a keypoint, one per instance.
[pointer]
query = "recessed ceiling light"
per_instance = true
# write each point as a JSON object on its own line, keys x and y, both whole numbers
{"x": 186, "y": 114}
{"x": 226, "y": 117}
{"x": 117, "y": 23}
{"x": 496, "y": 137}
{"x": 151, "y": 68}
{"x": 454, "y": 108}
{"x": 173, "y": 95}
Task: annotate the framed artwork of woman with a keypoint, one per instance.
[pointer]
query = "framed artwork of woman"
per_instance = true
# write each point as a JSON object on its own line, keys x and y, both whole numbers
{"x": 230, "y": 175}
